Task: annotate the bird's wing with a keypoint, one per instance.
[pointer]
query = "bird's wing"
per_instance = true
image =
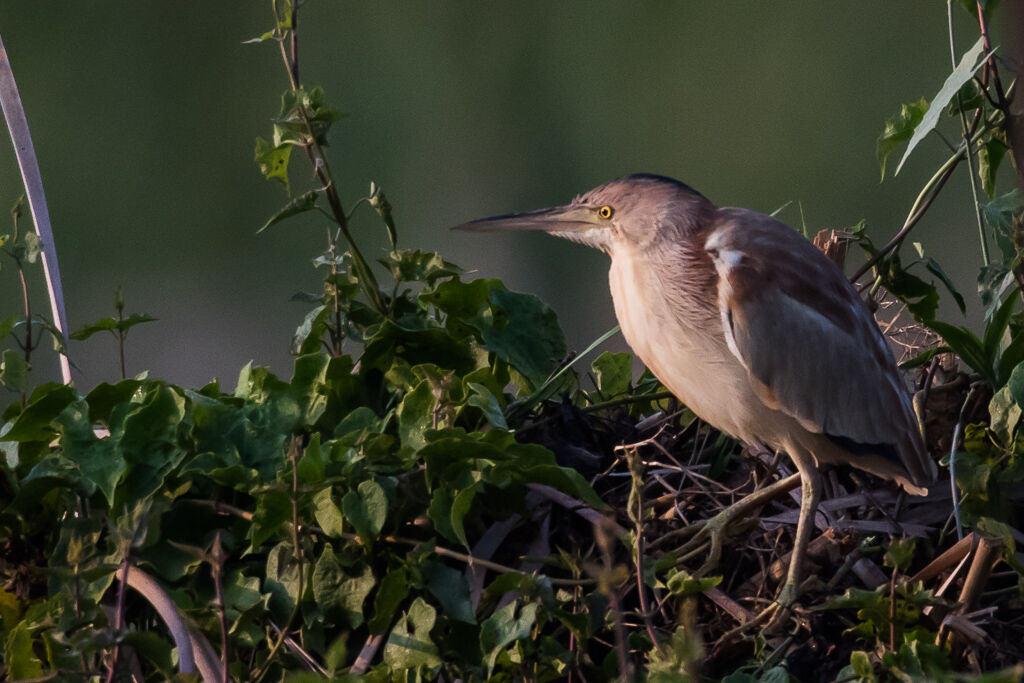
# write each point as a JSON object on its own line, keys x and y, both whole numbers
{"x": 812, "y": 348}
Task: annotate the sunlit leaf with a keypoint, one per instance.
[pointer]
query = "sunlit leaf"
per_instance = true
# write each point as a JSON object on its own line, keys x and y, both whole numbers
{"x": 409, "y": 645}
{"x": 337, "y": 590}
{"x": 366, "y": 508}
{"x": 682, "y": 583}
{"x": 273, "y": 162}
{"x": 503, "y": 627}
{"x": 990, "y": 155}
{"x": 613, "y": 372}
{"x": 898, "y": 129}
{"x": 327, "y": 513}
{"x": 14, "y": 371}
{"x": 963, "y": 72}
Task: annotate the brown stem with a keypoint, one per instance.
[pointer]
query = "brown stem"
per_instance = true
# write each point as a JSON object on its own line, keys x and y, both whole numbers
{"x": 637, "y": 516}
{"x": 217, "y": 558}
{"x": 294, "y": 36}
{"x": 293, "y": 453}
{"x": 892, "y": 611}
{"x": 911, "y": 221}
{"x": 118, "y": 618}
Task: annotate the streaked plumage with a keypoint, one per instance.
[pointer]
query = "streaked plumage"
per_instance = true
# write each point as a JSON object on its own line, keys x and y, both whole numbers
{"x": 752, "y": 328}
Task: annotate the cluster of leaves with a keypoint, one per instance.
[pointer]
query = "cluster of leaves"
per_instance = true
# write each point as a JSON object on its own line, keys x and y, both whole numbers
{"x": 329, "y": 495}
{"x": 971, "y": 99}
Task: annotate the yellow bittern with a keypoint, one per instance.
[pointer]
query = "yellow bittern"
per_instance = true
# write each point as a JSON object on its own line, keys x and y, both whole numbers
{"x": 751, "y": 327}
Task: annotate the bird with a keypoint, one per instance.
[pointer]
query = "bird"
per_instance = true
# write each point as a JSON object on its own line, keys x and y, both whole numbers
{"x": 752, "y": 328}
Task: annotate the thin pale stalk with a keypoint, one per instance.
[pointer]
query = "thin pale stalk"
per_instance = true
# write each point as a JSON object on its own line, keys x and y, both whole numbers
{"x": 966, "y": 135}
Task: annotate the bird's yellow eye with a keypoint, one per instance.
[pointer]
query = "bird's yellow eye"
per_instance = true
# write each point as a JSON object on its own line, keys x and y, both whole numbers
{"x": 605, "y": 212}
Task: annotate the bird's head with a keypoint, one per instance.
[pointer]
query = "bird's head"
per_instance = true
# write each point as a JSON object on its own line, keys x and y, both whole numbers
{"x": 638, "y": 211}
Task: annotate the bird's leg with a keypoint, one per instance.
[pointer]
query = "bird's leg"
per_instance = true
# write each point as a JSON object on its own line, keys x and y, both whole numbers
{"x": 810, "y": 494}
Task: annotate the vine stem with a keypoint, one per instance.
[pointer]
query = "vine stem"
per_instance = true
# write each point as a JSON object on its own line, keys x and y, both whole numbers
{"x": 119, "y": 617}
{"x": 322, "y": 169}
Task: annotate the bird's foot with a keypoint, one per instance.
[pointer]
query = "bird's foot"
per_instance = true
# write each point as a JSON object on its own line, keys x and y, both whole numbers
{"x": 708, "y": 536}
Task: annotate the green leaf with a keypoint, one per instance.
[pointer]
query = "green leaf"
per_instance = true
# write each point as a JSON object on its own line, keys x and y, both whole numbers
{"x": 990, "y": 155}
{"x": 921, "y": 298}
{"x": 8, "y": 324}
{"x": 613, "y": 372}
{"x": 682, "y": 583}
{"x": 484, "y": 399}
{"x": 35, "y": 423}
{"x": 97, "y": 459}
{"x": 1015, "y": 385}
{"x": 460, "y": 506}
{"x": 259, "y": 39}
{"x": 935, "y": 269}
{"x": 241, "y": 593}
{"x": 419, "y": 266}
{"x": 327, "y": 513}
{"x": 301, "y": 204}
{"x": 10, "y": 611}
{"x": 924, "y": 357}
{"x": 33, "y": 246}
{"x": 310, "y": 331}
{"x": 409, "y": 645}
{"x": 999, "y": 531}
{"x": 394, "y": 588}
{"x": 1000, "y": 215}
{"x": 503, "y": 628}
{"x": 861, "y": 665}
{"x": 451, "y": 590}
{"x": 149, "y": 442}
{"x": 311, "y": 467}
{"x": 111, "y": 325}
{"x": 382, "y": 206}
{"x": 1005, "y": 409}
{"x": 366, "y": 508}
{"x": 14, "y": 371}
{"x": 439, "y": 513}
{"x": 273, "y": 509}
{"x": 19, "y": 654}
{"x": 303, "y": 113}
{"x": 524, "y": 332}
{"x": 973, "y": 475}
{"x": 900, "y": 553}
{"x": 899, "y": 129}
{"x": 282, "y": 580}
{"x": 963, "y": 72}
{"x": 273, "y": 162}
{"x": 963, "y": 342}
{"x": 996, "y": 327}
{"x": 416, "y": 416}
{"x": 336, "y": 591}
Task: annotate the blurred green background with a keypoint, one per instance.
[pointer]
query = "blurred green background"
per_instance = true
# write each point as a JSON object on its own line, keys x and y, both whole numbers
{"x": 144, "y": 115}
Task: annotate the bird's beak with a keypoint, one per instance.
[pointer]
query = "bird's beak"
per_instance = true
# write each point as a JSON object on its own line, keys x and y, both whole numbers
{"x": 573, "y": 222}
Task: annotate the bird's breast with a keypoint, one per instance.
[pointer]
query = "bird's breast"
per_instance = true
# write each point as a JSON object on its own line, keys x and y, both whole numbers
{"x": 685, "y": 347}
